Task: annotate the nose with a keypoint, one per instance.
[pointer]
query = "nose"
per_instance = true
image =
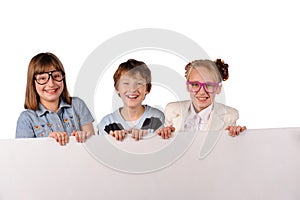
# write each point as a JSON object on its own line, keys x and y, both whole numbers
{"x": 133, "y": 87}
{"x": 202, "y": 90}
{"x": 50, "y": 81}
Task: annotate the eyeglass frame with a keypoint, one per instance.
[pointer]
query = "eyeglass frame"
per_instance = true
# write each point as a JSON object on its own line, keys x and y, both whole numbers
{"x": 204, "y": 85}
{"x": 49, "y": 74}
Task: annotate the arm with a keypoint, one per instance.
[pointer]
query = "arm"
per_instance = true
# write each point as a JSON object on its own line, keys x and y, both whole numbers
{"x": 168, "y": 129}
{"x": 154, "y": 121}
{"x": 233, "y": 116}
{"x": 85, "y": 120}
{"x": 108, "y": 125}
{"x": 28, "y": 127}
{"x": 85, "y": 132}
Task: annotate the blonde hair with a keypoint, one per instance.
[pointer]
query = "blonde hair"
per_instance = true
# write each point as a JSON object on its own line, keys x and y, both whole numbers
{"x": 218, "y": 68}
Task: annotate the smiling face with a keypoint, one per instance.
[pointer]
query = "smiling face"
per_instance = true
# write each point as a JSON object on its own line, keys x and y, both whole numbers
{"x": 202, "y": 99}
{"x": 50, "y": 92}
{"x": 132, "y": 88}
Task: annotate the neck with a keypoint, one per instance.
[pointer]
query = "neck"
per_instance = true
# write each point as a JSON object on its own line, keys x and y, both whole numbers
{"x": 52, "y": 106}
{"x": 132, "y": 114}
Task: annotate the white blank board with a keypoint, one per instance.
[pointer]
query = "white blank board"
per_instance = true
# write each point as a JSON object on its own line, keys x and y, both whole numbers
{"x": 258, "y": 164}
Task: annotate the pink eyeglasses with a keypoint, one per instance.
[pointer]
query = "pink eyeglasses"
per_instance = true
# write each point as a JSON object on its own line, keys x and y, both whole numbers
{"x": 209, "y": 87}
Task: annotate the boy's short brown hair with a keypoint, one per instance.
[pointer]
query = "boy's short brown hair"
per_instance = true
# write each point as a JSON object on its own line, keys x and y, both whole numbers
{"x": 132, "y": 67}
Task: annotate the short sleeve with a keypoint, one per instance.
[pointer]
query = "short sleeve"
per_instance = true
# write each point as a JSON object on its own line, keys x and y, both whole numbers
{"x": 82, "y": 112}
{"x": 24, "y": 126}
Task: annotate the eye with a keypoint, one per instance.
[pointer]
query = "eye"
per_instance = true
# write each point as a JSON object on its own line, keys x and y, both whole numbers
{"x": 42, "y": 77}
{"x": 210, "y": 85}
{"x": 57, "y": 75}
{"x": 195, "y": 84}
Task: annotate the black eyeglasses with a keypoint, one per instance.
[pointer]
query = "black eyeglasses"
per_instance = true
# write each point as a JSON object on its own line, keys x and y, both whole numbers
{"x": 44, "y": 77}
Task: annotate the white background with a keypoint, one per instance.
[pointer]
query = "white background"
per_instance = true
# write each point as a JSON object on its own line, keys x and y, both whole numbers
{"x": 258, "y": 39}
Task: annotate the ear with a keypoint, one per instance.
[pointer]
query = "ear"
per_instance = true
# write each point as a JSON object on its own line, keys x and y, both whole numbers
{"x": 117, "y": 92}
{"x": 149, "y": 87}
{"x": 147, "y": 92}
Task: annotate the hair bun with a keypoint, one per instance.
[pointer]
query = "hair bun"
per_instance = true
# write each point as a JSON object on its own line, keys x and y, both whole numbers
{"x": 186, "y": 68}
{"x": 223, "y": 68}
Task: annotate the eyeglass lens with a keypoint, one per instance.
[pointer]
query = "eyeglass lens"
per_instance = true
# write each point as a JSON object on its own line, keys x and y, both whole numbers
{"x": 196, "y": 86}
{"x": 43, "y": 78}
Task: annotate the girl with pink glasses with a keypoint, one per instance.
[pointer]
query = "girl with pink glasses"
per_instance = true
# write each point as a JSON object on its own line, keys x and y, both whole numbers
{"x": 201, "y": 112}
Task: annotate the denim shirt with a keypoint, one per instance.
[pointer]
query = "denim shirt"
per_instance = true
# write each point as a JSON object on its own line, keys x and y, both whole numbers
{"x": 41, "y": 122}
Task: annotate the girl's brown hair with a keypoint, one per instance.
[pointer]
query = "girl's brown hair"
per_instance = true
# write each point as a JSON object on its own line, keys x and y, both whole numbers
{"x": 38, "y": 64}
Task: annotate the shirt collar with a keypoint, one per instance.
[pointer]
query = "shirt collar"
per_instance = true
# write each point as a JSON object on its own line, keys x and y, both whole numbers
{"x": 203, "y": 114}
{"x": 42, "y": 110}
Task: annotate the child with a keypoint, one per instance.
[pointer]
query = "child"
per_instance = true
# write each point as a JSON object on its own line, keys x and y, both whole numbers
{"x": 50, "y": 111}
{"x": 204, "y": 81}
{"x": 132, "y": 82}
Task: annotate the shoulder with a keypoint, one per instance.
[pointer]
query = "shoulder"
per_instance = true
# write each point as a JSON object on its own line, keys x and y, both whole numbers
{"x": 79, "y": 104}
{"x": 27, "y": 114}
{"x": 111, "y": 117}
{"x": 153, "y": 111}
{"x": 227, "y": 110}
{"x": 107, "y": 117}
{"x": 178, "y": 105}
{"x": 77, "y": 101}
{"x": 27, "y": 117}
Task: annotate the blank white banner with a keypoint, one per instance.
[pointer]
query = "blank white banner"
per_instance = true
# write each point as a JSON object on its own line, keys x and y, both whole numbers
{"x": 259, "y": 164}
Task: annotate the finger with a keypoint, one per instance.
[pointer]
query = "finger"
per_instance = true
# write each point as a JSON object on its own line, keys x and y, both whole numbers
{"x": 53, "y": 135}
{"x": 136, "y": 135}
{"x": 112, "y": 133}
{"x": 73, "y": 133}
{"x": 133, "y": 133}
{"x": 158, "y": 132}
{"x": 116, "y": 135}
{"x": 164, "y": 135}
{"x": 119, "y": 135}
{"x": 231, "y": 131}
{"x": 82, "y": 136}
{"x": 76, "y": 134}
{"x": 56, "y": 138}
{"x": 66, "y": 137}
{"x": 238, "y": 130}
{"x": 228, "y": 128}
{"x": 145, "y": 132}
{"x": 60, "y": 138}
{"x": 85, "y": 136}
{"x": 122, "y": 135}
{"x": 172, "y": 128}
{"x": 63, "y": 138}
{"x": 79, "y": 137}
{"x": 140, "y": 134}
{"x": 169, "y": 133}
